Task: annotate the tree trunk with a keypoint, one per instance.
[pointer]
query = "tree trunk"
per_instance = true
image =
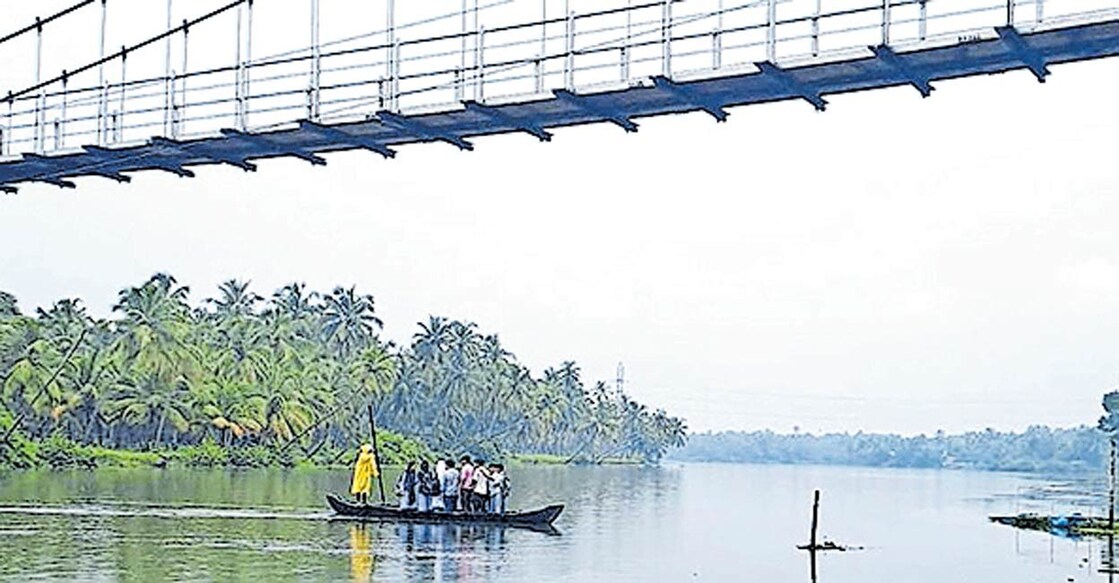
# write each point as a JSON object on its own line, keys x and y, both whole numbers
{"x": 159, "y": 430}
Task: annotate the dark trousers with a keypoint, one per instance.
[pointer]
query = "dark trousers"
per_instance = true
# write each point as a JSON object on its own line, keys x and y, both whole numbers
{"x": 481, "y": 503}
{"x": 466, "y": 500}
{"x": 449, "y": 502}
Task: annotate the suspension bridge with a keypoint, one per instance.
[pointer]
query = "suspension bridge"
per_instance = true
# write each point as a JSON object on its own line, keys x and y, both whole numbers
{"x": 204, "y": 83}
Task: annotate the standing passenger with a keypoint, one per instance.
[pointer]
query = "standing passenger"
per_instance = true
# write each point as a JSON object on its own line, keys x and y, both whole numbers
{"x": 499, "y": 489}
{"x": 427, "y": 487}
{"x": 450, "y": 487}
{"x": 364, "y": 471}
{"x": 466, "y": 485}
{"x": 440, "y": 470}
{"x": 406, "y": 487}
{"x": 481, "y": 493}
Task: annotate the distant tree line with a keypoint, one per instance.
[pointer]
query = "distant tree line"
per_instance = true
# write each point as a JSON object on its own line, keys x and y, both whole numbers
{"x": 1038, "y": 448}
{"x": 293, "y": 373}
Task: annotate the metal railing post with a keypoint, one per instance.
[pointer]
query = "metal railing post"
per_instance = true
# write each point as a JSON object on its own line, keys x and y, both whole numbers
{"x": 1040, "y": 16}
{"x": 816, "y": 30}
{"x": 666, "y": 37}
{"x": 60, "y": 140}
{"x": 886, "y": 22}
{"x": 460, "y": 74}
{"x": 569, "y": 60}
{"x": 176, "y": 115}
{"x": 102, "y": 92}
{"x": 541, "y": 59}
{"x": 246, "y": 76}
{"x": 923, "y": 21}
{"x": 167, "y": 75}
{"x": 717, "y": 40}
{"x": 626, "y": 55}
{"x": 35, "y": 141}
{"x": 41, "y": 99}
{"x": 393, "y": 61}
{"x": 480, "y": 66}
{"x": 771, "y": 32}
{"x": 123, "y": 96}
{"x": 395, "y": 81}
{"x": 316, "y": 64}
{"x": 238, "y": 116}
{"x": 11, "y": 113}
{"x": 1010, "y": 12}
{"x": 185, "y": 75}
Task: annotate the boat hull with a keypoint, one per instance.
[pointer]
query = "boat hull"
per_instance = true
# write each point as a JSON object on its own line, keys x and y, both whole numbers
{"x": 541, "y": 519}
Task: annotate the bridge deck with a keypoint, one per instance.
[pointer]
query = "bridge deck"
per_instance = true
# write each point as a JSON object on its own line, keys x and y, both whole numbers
{"x": 880, "y": 67}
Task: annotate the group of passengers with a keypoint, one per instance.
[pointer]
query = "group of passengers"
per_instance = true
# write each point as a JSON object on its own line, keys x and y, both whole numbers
{"x": 472, "y": 487}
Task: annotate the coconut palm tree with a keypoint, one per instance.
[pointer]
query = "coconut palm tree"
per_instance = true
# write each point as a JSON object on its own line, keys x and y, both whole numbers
{"x": 349, "y": 321}
{"x": 9, "y": 306}
{"x": 432, "y": 340}
{"x": 147, "y": 404}
{"x": 235, "y": 300}
{"x": 154, "y": 326}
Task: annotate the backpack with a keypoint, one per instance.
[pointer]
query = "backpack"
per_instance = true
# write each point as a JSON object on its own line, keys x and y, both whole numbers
{"x": 429, "y": 485}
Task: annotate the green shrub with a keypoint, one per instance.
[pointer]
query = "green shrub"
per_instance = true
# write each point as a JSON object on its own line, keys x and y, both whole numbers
{"x": 396, "y": 449}
{"x": 59, "y": 453}
{"x": 207, "y": 454}
{"x": 252, "y": 456}
{"x": 121, "y": 458}
{"x": 17, "y": 452}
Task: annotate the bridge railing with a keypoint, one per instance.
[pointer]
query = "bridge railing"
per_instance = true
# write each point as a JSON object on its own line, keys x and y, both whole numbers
{"x": 493, "y": 51}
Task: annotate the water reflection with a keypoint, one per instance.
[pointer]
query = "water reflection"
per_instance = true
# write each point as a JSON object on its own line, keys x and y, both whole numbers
{"x": 362, "y": 560}
{"x": 463, "y": 552}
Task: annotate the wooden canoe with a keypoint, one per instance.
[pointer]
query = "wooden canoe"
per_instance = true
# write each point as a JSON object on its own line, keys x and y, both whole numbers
{"x": 541, "y": 519}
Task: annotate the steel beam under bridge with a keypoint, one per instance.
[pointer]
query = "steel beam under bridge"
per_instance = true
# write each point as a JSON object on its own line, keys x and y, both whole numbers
{"x": 880, "y": 67}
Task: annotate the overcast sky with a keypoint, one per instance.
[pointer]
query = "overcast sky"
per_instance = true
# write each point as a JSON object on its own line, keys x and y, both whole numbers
{"x": 894, "y": 264}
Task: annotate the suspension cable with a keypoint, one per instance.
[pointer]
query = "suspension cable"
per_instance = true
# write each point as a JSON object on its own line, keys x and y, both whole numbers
{"x": 124, "y": 51}
{"x": 40, "y": 23}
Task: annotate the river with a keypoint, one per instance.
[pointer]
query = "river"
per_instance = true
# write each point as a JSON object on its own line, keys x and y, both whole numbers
{"x": 690, "y": 522}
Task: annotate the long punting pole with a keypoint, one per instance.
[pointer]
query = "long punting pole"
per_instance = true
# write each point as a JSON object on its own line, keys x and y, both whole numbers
{"x": 376, "y": 453}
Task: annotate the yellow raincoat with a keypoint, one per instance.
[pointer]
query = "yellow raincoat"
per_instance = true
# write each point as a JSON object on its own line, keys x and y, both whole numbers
{"x": 364, "y": 471}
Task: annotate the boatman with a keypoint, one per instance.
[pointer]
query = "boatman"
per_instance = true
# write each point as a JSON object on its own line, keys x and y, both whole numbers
{"x": 364, "y": 472}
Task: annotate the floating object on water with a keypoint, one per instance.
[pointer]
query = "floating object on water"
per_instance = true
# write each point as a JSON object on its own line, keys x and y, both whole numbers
{"x": 1070, "y": 526}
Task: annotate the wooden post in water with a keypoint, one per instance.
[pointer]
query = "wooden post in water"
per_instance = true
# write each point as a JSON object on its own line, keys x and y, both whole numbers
{"x": 1111, "y": 491}
{"x": 815, "y": 521}
{"x": 1109, "y": 556}
{"x": 376, "y": 454}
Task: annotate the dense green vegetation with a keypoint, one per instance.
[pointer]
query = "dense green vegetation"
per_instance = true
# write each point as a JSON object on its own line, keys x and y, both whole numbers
{"x": 242, "y": 380}
{"x": 1036, "y": 449}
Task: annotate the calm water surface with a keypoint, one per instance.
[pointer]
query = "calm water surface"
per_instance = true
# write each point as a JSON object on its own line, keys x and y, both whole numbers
{"x": 674, "y": 523}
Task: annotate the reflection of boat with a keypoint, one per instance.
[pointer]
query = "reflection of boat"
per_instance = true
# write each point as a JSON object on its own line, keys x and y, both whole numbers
{"x": 541, "y": 519}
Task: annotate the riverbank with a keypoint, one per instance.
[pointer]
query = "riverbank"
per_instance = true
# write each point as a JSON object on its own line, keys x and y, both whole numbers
{"x": 59, "y": 453}
{"x": 1039, "y": 449}
{"x": 544, "y": 459}
{"x": 396, "y": 450}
